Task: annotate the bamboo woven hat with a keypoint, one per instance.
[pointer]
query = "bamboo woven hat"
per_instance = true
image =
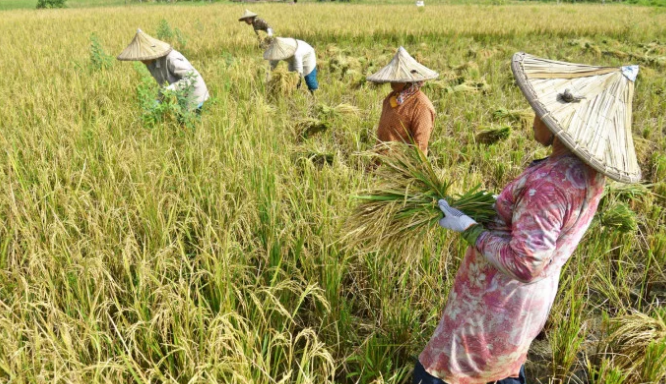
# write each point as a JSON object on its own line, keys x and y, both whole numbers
{"x": 247, "y": 15}
{"x": 144, "y": 47}
{"x": 281, "y": 48}
{"x": 403, "y": 69}
{"x": 588, "y": 108}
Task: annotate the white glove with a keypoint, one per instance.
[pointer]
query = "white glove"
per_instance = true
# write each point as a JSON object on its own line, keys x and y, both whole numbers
{"x": 454, "y": 219}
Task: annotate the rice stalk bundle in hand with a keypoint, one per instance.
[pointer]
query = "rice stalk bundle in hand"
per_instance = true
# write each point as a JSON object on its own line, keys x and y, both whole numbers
{"x": 493, "y": 135}
{"x": 400, "y": 212}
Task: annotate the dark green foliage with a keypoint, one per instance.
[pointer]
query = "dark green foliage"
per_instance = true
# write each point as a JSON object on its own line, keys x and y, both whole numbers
{"x": 50, "y": 4}
{"x": 164, "y": 105}
{"x": 164, "y": 31}
{"x": 99, "y": 59}
{"x": 174, "y": 36}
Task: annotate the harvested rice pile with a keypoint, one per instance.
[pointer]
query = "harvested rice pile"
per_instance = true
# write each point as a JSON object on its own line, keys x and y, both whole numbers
{"x": 638, "y": 344}
{"x": 324, "y": 116}
{"x": 493, "y": 135}
{"x": 522, "y": 116}
{"x": 282, "y": 82}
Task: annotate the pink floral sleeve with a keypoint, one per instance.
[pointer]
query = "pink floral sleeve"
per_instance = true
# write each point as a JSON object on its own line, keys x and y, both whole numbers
{"x": 537, "y": 220}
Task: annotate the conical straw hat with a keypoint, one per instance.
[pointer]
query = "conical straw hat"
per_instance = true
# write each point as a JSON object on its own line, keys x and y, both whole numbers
{"x": 248, "y": 14}
{"x": 281, "y": 48}
{"x": 403, "y": 69}
{"x": 144, "y": 47}
{"x": 588, "y": 108}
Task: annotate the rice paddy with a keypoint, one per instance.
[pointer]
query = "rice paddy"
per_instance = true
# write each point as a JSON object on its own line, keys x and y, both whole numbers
{"x": 137, "y": 251}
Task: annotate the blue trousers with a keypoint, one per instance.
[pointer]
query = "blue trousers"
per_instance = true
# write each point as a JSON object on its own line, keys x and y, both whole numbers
{"x": 422, "y": 377}
{"x": 311, "y": 80}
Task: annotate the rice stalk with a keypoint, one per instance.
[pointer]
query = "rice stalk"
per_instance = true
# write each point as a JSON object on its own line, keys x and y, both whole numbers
{"x": 402, "y": 208}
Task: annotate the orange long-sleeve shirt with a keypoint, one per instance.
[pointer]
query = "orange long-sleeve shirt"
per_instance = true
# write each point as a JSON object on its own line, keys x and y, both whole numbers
{"x": 414, "y": 118}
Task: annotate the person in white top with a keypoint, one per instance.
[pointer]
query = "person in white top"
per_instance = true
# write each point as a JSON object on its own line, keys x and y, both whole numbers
{"x": 300, "y": 56}
{"x": 168, "y": 66}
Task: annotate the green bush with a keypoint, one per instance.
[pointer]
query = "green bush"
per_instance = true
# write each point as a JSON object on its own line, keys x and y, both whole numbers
{"x": 99, "y": 59}
{"x": 50, "y": 4}
{"x": 164, "y": 31}
{"x": 165, "y": 105}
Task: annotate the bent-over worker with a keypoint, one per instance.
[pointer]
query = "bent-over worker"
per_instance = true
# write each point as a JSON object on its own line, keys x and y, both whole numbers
{"x": 169, "y": 67}
{"x": 251, "y": 18}
{"x": 300, "y": 56}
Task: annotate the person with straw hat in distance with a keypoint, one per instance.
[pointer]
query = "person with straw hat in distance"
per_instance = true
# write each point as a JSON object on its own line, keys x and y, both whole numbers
{"x": 250, "y": 18}
{"x": 168, "y": 66}
{"x": 407, "y": 113}
{"x": 300, "y": 56}
{"x": 508, "y": 280}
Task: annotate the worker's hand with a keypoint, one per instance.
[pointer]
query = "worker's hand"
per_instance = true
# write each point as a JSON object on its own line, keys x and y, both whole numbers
{"x": 454, "y": 219}
{"x": 300, "y": 82}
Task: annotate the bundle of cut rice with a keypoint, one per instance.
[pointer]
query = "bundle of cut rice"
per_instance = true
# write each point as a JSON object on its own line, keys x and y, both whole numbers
{"x": 402, "y": 208}
{"x": 522, "y": 116}
{"x": 633, "y": 337}
{"x": 617, "y": 53}
{"x": 325, "y": 111}
{"x": 620, "y": 218}
{"x": 314, "y": 156}
{"x": 281, "y": 82}
{"x": 310, "y": 127}
{"x": 493, "y": 135}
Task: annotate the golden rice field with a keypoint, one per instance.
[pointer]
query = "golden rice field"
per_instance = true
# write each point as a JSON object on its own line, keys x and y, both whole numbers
{"x": 136, "y": 253}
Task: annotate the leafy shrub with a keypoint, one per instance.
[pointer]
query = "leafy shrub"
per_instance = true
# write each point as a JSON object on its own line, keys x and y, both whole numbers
{"x": 175, "y": 37}
{"x": 164, "y": 31}
{"x": 181, "y": 39}
{"x": 99, "y": 59}
{"x": 50, "y": 4}
{"x": 165, "y": 105}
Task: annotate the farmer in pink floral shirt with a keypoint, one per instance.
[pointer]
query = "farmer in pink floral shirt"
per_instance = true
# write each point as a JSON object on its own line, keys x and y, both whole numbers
{"x": 508, "y": 280}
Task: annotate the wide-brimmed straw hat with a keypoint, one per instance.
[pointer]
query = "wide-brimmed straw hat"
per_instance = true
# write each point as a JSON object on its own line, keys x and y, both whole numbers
{"x": 281, "y": 48}
{"x": 403, "y": 69}
{"x": 144, "y": 47}
{"x": 247, "y": 15}
{"x": 588, "y": 108}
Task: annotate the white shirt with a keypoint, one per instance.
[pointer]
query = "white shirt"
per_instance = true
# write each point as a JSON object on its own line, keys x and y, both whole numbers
{"x": 303, "y": 61}
{"x": 174, "y": 69}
